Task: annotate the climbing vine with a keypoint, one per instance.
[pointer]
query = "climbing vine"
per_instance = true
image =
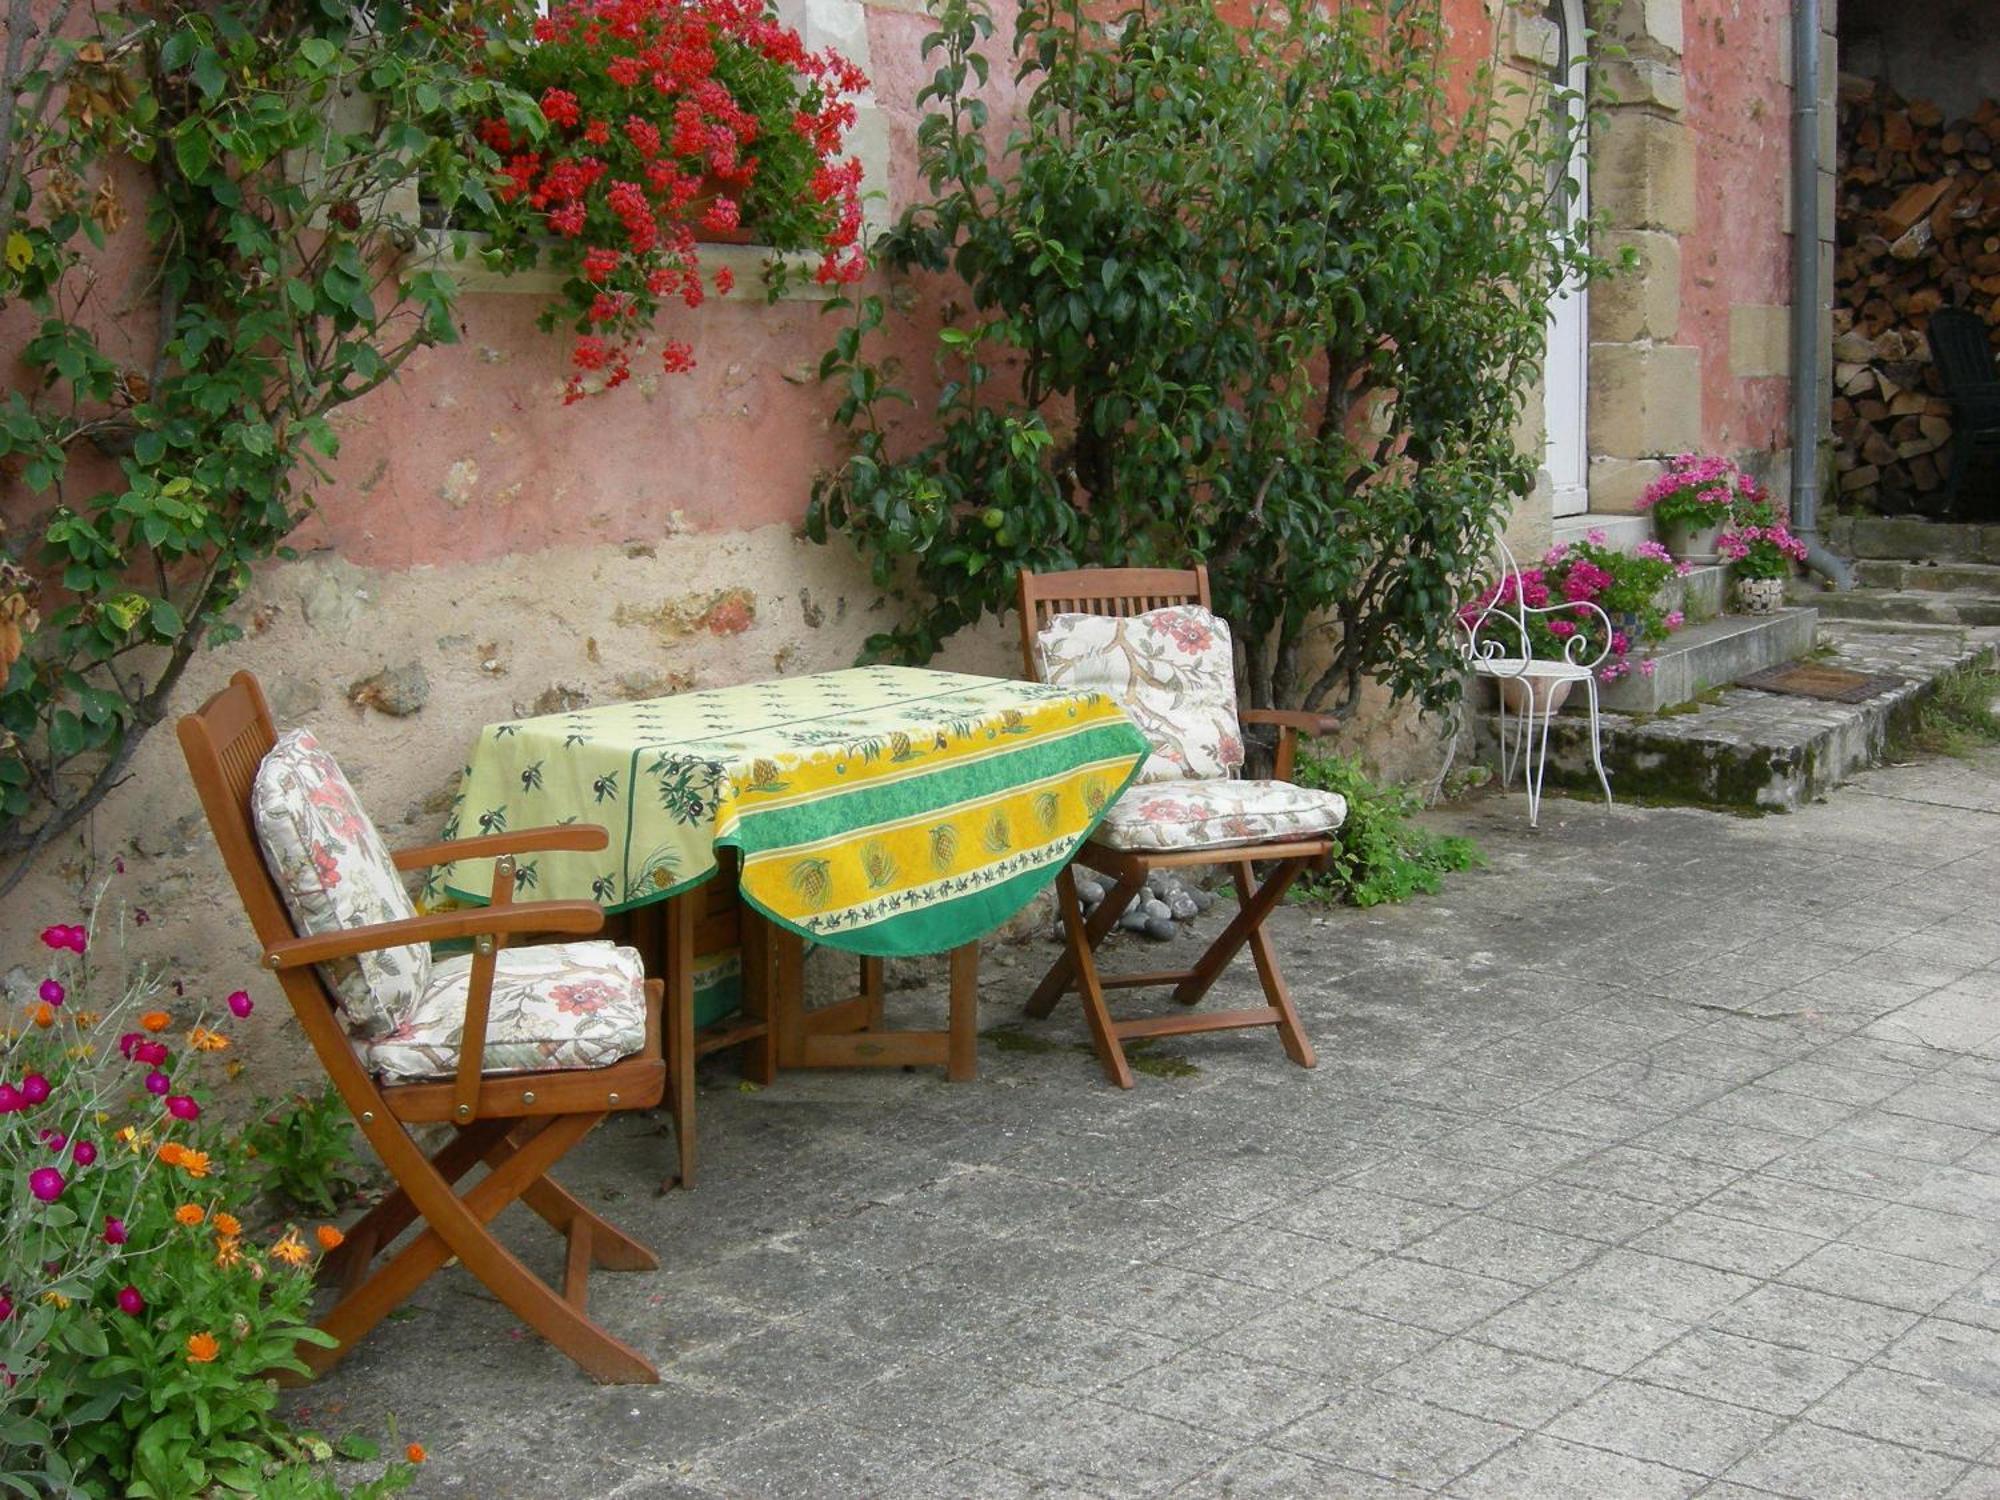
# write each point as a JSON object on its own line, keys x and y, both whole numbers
{"x": 258, "y": 161}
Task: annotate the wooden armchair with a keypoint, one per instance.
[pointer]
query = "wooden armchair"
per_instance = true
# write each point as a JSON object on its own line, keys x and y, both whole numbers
{"x": 518, "y": 1122}
{"x": 1182, "y": 821}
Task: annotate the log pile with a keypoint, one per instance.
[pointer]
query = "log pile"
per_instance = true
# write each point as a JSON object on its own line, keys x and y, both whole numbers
{"x": 1918, "y": 229}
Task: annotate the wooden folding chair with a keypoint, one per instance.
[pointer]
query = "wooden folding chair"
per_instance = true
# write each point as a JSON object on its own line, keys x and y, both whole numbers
{"x": 517, "y": 1124}
{"x": 1121, "y": 593}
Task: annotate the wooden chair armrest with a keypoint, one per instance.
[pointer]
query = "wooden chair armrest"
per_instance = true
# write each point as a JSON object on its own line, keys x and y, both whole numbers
{"x": 1290, "y": 724}
{"x": 1295, "y": 719}
{"x": 438, "y": 927}
{"x": 582, "y": 836}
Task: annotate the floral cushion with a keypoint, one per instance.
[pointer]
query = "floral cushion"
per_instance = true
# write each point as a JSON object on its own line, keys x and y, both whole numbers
{"x": 555, "y": 1005}
{"x": 335, "y": 872}
{"x": 1217, "y": 814}
{"x": 1173, "y": 670}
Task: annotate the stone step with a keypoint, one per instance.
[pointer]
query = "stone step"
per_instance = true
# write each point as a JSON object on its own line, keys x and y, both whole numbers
{"x": 1761, "y": 752}
{"x": 1935, "y": 577}
{"x": 1911, "y": 606}
{"x": 1706, "y": 655}
{"x": 1620, "y": 532}
{"x": 1913, "y": 539}
{"x": 1698, "y": 594}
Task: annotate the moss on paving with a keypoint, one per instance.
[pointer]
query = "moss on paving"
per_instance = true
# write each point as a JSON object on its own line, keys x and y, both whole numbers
{"x": 1955, "y": 718}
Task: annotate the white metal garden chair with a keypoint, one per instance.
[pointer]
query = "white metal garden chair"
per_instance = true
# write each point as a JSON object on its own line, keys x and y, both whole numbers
{"x": 1496, "y": 645}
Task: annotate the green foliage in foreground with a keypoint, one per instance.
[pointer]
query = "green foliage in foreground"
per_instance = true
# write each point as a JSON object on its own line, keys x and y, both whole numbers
{"x": 304, "y": 1150}
{"x": 1383, "y": 856}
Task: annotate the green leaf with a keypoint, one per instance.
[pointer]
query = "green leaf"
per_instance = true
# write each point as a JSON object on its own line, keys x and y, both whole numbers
{"x": 191, "y": 149}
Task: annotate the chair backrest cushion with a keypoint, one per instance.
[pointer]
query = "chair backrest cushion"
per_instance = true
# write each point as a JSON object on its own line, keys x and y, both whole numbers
{"x": 1173, "y": 670}
{"x": 334, "y": 872}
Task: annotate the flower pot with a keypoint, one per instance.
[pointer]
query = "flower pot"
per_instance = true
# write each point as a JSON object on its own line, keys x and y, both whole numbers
{"x": 1692, "y": 541}
{"x": 713, "y": 187}
{"x": 1546, "y": 693}
{"x": 1760, "y": 596}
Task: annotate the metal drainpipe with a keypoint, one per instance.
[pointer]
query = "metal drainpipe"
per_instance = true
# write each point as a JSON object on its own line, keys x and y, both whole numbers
{"x": 1808, "y": 297}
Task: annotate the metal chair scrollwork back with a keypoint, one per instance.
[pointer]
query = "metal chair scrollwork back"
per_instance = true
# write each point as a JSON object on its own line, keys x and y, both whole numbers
{"x": 1497, "y": 642}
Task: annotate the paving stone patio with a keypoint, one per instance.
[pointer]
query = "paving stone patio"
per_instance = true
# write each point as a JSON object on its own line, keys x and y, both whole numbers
{"x": 1661, "y": 1158}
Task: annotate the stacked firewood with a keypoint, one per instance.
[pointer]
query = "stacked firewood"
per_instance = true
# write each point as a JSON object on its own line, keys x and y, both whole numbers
{"x": 1918, "y": 229}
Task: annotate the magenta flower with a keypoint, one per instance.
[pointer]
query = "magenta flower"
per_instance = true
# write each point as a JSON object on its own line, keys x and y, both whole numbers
{"x": 157, "y": 1083}
{"x": 73, "y": 938}
{"x": 239, "y": 1004}
{"x": 130, "y": 1302}
{"x": 6, "y": 1307}
{"x": 46, "y": 1183}
{"x": 114, "y": 1232}
{"x": 55, "y": 1140}
{"x": 128, "y": 1043}
{"x": 152, "y": 1054}
{"x": 52, "y": 992}
{"x": 34, "y": 1088}
{"x": 181, "y": 1107}
{"x": 83, "y": 1153}
{"x": 11, "y": 1101}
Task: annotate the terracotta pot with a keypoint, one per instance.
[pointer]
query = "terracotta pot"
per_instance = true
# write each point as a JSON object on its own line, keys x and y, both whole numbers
{"x": 1760, "y": 596}
{"x": 712, "y": 188}
{"x": 1691, "y": 541}
{"x": 1547, "y": 693}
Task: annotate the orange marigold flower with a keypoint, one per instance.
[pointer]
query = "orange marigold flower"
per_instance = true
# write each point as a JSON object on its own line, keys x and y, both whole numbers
{"x": 226, "y": 1226}
{"x": 45, "y": 1015}
{"x": 228, "y": 1255}
{"x": 201, "y": 1348}
{"x": 415, "y": 1453}
{"x": 194, "y": 1163}
{"x": 204, "y": 1040}
{"x": 85, "y": 1019}
{"x": 329, "y": 1237}
{"x": 291, "y": 1249}
{"x": 156, "y": 1020}
{"x": 190, "y": 1214}
{"x": 172, "y": 1152}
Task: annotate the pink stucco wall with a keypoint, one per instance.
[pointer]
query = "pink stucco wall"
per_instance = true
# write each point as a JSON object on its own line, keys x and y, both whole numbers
{"x": 1738, "y": 253}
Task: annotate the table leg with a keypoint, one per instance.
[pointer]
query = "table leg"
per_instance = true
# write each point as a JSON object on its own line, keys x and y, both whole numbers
{"x": 849, "y": 1033}
{"x": 760, "y": 1053}
{"x": 786, "y": 1000}
{"x": 962, "y": 1063}
{"x": 677, "y": 928}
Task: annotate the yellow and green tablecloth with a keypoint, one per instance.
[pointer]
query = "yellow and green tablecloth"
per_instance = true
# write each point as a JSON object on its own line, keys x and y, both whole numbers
{"x": 882, "y": 810}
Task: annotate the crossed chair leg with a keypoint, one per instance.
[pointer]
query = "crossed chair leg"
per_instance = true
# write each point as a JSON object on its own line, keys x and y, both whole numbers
{"x": 518, "y": 1155}
{"x": 1077, "y": 969}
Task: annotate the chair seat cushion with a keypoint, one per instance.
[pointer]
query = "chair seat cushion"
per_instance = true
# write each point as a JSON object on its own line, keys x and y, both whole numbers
{"x": 1218, "y": 815}
{"x": 334, "y": 872}
{"x": 555, "y": 1005}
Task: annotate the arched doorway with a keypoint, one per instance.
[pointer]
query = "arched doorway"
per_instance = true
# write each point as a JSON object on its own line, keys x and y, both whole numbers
{"x": 1565, "y": 367}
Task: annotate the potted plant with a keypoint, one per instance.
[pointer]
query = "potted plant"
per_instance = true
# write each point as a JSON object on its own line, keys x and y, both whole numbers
{"x": 1692, "y": 502}
{"x": 1761, "y": 549}
{"x": 660, "y": 123}
{"x": 1554, "y": 602}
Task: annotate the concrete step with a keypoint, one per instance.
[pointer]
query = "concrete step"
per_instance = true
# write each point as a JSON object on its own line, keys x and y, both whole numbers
{"x": 1910, "y": 606}
{"x": 1935, "y": 577}
{"x": 1620, "y": 532}
{"x": 1707, "y": 655}
{"x": 1913, "y": 539}
{"x": 1762, "y": 752}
